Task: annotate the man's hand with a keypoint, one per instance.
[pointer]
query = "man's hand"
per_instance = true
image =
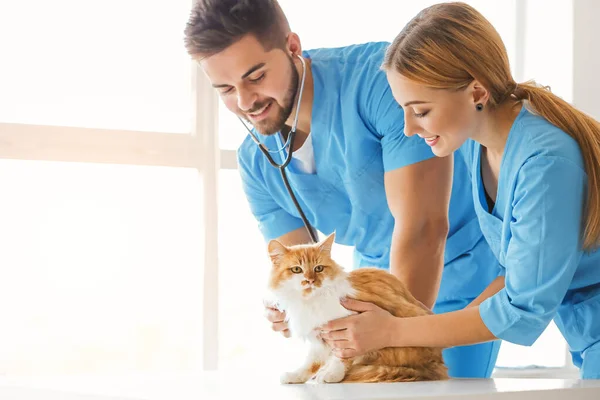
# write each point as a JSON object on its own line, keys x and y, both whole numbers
{"x": 277, "y": 320}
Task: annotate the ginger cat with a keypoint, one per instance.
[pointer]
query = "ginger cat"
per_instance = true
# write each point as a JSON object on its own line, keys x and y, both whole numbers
{"x": 308, "y": 285}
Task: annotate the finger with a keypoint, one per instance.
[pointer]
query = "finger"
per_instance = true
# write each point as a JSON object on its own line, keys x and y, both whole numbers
{"x": 319, "y": 337}
{"x": 356, "y": 305}
{"x": 335, "y": 335}
{"x": 279, "y": 326}
{"x": 344, "y": 353}
{"x": 340, "y": 344}
{"x": 268, "y": 303}
{"x": 337, "y": 344}
{"x": 338, "y": 324}
{"x": 275, "y": 316}
{"x": 286, "y": 333}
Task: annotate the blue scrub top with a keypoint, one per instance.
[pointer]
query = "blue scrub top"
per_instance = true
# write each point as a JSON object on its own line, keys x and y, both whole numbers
{"x": 357, "y": 134}
{"x": 534, "y": 230}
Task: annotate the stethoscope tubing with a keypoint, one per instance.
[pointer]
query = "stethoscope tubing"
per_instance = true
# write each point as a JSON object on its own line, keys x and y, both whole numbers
{"x": 290, "y": 145}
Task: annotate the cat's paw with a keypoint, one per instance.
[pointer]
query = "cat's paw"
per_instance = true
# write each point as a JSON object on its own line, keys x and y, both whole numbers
{"x": 331, "y": 373}
{"x": 293, "y": 377}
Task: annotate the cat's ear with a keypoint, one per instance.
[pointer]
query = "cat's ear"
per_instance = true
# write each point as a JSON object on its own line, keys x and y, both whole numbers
{"x": 327, "y": 243}
{"x": 276, "y": 250}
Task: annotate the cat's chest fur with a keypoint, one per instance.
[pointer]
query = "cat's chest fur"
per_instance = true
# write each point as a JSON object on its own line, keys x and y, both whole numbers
{"x": 304, "y": 314}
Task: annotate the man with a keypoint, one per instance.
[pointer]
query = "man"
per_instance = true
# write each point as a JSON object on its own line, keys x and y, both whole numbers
{"x": 353, "y": 170}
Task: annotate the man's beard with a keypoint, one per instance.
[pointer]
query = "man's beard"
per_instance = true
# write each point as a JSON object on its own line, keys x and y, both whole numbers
{"x": 269, "y": 127}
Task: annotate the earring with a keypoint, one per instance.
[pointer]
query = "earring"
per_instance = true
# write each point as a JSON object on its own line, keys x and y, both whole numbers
{"x": 479, "y": 106}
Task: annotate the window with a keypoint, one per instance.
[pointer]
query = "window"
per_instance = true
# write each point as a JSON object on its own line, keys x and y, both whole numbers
{"x": 100, "y": 268}
{"x": 110, "y": 64}
{"x": 102, "y": 208}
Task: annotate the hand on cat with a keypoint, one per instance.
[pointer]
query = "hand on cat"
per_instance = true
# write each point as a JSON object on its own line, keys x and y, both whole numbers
{"x": 358, "y": 334}
{"x": 277, "y": 320}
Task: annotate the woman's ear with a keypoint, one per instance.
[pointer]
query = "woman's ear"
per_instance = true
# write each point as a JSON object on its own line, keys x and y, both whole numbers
{"x": 479, "y": 94}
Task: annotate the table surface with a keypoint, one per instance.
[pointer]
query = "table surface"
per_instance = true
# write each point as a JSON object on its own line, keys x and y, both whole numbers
{"x": 240, "y": 386}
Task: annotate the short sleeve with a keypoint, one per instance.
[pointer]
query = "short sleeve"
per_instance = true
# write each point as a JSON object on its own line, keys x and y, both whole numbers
{"x": 273, "y": 220}
{"x": 543, "y": 252}
{"x": 387, "y": 117}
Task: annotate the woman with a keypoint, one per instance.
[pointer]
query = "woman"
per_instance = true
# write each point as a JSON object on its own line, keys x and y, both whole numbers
{"x": 535, "y": 170}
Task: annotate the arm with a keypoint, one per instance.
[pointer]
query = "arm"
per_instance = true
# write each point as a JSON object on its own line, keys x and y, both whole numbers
{"x": 544, "y": 250}
{"x": 541, "y": 259}
{"x": 273, "y": 222}
{"x": 418, "y": 186}
{"x": 418, "y": 196}
{"x": 374, "y": 328}
{"x": 377, "y": 328}
{"x": 424, "y": 331}
{"x": 493, "y": 288}
{"x": 450, "y": 323}
{"x": 463, "y": 327}
{"x": 298, "y": 236}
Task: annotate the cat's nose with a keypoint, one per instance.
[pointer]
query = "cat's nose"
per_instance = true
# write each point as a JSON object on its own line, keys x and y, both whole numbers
{"x": 310, "y": 281}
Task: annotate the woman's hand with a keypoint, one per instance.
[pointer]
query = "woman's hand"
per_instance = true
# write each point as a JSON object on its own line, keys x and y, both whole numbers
{"x": 371, "y": 329}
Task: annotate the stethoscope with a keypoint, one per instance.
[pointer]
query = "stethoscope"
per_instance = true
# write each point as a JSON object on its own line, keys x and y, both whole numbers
{"x": 289, "y": 144}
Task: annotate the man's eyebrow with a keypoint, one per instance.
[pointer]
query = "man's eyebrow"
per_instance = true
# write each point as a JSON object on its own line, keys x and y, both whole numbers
{"x": 250, "y": 71}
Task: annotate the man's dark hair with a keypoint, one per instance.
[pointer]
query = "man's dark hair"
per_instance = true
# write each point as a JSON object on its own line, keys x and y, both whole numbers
{"x": 215, "y": 25}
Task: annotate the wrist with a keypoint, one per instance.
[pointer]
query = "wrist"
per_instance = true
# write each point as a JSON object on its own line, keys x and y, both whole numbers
{"x": 396, "y": 332}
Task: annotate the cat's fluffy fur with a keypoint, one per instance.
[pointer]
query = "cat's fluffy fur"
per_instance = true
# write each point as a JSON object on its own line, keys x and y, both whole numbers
{"x": 308, "y": 284}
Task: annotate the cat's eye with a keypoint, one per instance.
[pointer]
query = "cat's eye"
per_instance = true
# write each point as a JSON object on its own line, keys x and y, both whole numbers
{"x": 296, "y": 270}
{"x": 319, "y": 268}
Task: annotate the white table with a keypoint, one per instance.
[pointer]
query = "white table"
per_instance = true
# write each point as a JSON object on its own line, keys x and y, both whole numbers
{"x": 212, "y": 386}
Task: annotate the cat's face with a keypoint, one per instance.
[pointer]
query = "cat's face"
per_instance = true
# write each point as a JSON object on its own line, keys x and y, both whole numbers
{"x": 303, "y": 269}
